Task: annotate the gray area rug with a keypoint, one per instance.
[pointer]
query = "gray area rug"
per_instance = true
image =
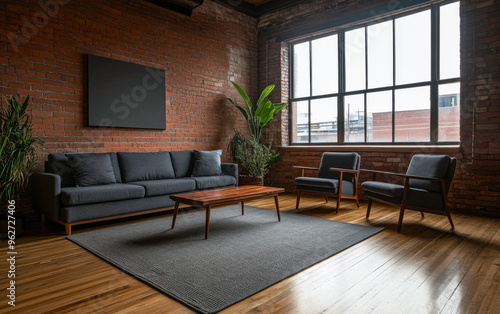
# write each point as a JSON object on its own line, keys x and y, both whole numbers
{"x": 242, "y": 256}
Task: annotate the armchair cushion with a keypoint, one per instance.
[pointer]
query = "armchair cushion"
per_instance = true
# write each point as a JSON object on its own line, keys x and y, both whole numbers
{"x": 317, "y": 182}
{"x": 416, "y": 197}
{"x": 338, "y": 160}
{"x": 433, "y": 166}
{"x": 382, "y": 188}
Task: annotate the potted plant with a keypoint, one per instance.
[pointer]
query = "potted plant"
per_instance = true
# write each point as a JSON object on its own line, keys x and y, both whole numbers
{"x": 254, "y": 156}
{"x": 17, "y": 152}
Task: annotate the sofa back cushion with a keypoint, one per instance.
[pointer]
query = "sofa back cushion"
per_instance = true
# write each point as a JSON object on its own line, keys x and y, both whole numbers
{"x": 91, "y": 169}
{"x": 183, "y": 162}
{"x": 145, "y": 166}
{"x": 58, "y": 163}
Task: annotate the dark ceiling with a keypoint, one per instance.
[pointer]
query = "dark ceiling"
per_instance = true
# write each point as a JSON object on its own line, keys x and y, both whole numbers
{"x": 253, "y": 8}
{"x": 256, "y": 8}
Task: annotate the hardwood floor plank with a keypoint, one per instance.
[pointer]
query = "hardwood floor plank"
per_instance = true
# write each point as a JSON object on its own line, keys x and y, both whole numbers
{"x": 424, "y": 269}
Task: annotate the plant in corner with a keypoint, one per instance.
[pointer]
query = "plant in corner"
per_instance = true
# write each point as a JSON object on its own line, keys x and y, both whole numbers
{"x": 17, "y": 150}
{"x": 254, "y": 156}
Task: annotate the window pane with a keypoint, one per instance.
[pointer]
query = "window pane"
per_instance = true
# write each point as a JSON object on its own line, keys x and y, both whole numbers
{"x": 324, "y": 120}
{"x": 413, "y": 115}
{"x": 355, "y": 76}
{"x": 325, "y": 71}
{"x": 449, "y": 112}
{"x": 380, "y": 55}
{"x": 379, "y": 117}
{"x": 449, "y": 41}
{"x": 354, "y": 118}
{"x": 413, "y": 48}
{"x": 300, "y": 122}
{"x": 301, "y": 70}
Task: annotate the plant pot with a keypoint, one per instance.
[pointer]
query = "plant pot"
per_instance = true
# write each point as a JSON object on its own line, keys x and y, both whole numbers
{"x": 251, "y": 181}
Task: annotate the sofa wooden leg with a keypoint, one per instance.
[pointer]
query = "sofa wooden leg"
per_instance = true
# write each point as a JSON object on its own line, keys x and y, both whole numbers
{"x": 43, "y": 219}
{"x": 68, "y": 229}
{"x": 326, "y": 198}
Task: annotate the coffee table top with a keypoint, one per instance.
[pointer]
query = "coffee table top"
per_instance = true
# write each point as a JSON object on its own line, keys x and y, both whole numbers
{"x": 226, "y": 194}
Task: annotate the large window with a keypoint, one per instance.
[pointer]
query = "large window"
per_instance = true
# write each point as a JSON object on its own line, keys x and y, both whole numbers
{"x": 390, "y": 81}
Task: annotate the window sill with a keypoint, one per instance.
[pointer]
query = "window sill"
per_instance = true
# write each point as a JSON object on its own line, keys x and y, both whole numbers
{"x": 426, "y": 149}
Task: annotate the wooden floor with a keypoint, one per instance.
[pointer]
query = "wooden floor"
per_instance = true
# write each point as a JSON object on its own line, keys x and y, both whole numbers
{"x": 425, "y": 269}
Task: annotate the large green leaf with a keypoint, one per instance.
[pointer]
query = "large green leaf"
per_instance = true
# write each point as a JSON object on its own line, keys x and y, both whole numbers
{"x": 245, "y": 97}
{"x": 263, "y": 98}
{"x": 243, "y": 111}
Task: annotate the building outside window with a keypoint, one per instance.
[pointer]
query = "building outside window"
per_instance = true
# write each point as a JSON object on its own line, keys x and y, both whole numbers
{"x": 395, "y": 80}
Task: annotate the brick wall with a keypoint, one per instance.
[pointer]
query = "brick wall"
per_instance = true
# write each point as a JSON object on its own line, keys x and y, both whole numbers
{"x": 43, "y": 47}
{"x": 476, "y": 187}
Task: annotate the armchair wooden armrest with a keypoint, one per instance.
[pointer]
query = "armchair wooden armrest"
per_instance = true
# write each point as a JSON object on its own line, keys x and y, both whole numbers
{"x": 402, "y": 175}
{"x": 344, "y": 170}
{"x": 305, "y": 168}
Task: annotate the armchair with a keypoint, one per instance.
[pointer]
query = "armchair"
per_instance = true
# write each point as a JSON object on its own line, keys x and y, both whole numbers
{"x": 426, "y": 185}
{"x": 337, "y": 177}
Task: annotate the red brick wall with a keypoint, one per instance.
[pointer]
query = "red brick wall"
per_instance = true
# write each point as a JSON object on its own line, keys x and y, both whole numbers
{"x": 200, "y": 55}
{"x": 476, "y": 187}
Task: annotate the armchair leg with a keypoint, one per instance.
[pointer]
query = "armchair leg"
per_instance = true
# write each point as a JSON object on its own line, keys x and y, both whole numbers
{"x": 451, "y": 222}
{"x": 298, "y": 199}
{"x": 400, "y": 222}
{"x": 422, "y": 214}
{"x": 369, "y": 208}
{"x": 357, "y": 200}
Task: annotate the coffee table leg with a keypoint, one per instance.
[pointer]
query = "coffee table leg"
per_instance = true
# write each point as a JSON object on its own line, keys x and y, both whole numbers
{"x": 277, "y": 207}
{"x": 176, "y": 210}
{"x": 207, "y": 221}
{"x": 243, "y": 207}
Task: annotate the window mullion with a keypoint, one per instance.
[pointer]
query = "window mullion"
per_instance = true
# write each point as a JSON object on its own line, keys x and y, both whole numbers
{"x": 341, "y": 88}
{"x": 393, "y": 80}
{"x": 434, "y": 74}
{"x": 310, "y": 91}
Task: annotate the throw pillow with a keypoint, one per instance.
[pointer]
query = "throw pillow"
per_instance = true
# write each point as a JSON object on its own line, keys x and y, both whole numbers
{"x": 207, "y": 163}
{"x": 91, "y": 169}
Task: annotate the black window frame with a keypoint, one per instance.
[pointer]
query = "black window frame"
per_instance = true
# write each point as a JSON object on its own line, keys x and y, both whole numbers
{"x": 433, "y": 83}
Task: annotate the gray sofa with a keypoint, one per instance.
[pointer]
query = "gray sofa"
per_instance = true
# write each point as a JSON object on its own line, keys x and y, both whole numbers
{"x": 83, "y": 188}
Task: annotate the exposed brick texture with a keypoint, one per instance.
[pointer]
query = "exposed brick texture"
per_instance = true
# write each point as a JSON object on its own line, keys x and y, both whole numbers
{"x": 43, "y": 49}
{"x": 476, "y": 187}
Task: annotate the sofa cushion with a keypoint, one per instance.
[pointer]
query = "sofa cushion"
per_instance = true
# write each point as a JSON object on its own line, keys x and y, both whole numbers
{"x": 168, "y": 186}
{"x": 145, "y": 166}
{"x": 183, "y": 162}
{"x": 207, "y": 163}
{"x": 92, "y": 169}
{"x": 212, "y": 182}
{"x": 100, "y": 193}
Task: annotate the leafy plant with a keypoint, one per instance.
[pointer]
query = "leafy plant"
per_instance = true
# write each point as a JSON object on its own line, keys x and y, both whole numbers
{"x": 18, "y": 147}
{"x": 257, "y": 116}
{"x": 254, "y": 157}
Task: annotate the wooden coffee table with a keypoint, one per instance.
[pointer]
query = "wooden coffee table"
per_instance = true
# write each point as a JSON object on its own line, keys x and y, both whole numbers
{"x": 220, "y": 196}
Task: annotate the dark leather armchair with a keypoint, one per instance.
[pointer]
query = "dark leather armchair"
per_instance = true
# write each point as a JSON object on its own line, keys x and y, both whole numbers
{"x": 337, "y": 177}
{"x": 426, "y": 185}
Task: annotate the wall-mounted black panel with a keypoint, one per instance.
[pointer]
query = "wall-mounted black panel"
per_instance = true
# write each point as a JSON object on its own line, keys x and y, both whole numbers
{"x": 125, "y": 95}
